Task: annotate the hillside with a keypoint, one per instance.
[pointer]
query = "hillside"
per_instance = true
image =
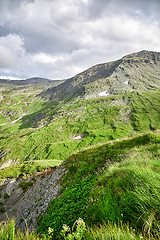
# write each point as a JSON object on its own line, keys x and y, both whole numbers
{"x": 102, "y": 128}
{"x": 138, "y": 71}
{"x": 110, "y": 183}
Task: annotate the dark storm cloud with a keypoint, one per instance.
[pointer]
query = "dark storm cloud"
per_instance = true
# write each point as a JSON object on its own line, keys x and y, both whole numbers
{"x": 57, "y": 39}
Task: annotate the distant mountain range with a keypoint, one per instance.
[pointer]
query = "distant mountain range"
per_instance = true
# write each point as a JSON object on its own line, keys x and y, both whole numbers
{"x": 137, "y": 71}
{"x": 34, "y": 80}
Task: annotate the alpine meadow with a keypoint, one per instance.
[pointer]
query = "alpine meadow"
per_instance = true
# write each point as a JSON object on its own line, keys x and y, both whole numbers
{"x": 80, "y": 157}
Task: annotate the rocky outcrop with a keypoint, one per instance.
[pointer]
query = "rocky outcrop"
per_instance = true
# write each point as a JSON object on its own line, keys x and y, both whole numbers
{"x": 26, "y": 205}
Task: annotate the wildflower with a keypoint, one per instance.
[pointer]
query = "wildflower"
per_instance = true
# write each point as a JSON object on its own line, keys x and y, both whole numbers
{"x": 65, "y": 228}
{"x": 50, "y": 230}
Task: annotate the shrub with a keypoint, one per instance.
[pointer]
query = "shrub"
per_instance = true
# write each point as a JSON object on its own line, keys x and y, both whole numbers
{"x": 25, "y": 185}
{"x": 6, "y": 196}
{"x": 34, "y": 179}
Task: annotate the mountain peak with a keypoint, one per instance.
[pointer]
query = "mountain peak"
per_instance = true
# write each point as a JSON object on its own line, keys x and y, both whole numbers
{"x": 136, "y": 71}
{"x": 142, "y": 54}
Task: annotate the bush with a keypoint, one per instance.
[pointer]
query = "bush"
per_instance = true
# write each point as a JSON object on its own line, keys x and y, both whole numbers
{"x": 25, "y": 185}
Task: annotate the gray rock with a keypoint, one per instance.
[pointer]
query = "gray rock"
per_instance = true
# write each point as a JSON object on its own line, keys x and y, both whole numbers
{"x": 26, "y": 207}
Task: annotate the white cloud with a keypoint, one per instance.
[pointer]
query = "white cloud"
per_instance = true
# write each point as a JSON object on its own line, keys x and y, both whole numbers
{"x": 12, "y": 52}
{"x": 9, "y": 77}
{"x": 44, "y": 58}
{"x": 6, "y": 59}
{"x": 57, "y": 39}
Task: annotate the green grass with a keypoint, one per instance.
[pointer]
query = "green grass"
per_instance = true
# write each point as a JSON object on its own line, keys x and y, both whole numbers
{"x": 8, "y": 231}
{"x": 113, "y": 232}
{"x": 97, "y": 120}
{"x": 28, "y": 168}
{"x": 113, "y": 182}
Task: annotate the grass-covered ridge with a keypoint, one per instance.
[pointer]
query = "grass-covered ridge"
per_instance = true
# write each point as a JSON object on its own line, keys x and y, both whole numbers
{"x": 116, "y": 182}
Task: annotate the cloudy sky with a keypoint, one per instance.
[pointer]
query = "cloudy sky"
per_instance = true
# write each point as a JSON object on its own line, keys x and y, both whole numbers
{"x": 58, "y": 38}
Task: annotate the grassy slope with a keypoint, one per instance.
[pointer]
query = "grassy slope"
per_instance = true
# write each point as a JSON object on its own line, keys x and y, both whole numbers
{"x": 108, "y": 186}
{"x": 95, "y": 120}
{"x": 116, "y": 182}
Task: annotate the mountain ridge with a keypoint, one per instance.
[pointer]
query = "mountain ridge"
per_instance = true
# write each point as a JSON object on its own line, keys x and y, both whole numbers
{"x": 34, "y": 80}
{"x": 136, "y": 71}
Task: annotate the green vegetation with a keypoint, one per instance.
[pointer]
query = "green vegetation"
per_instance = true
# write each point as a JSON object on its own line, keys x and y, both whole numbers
{"x": 6, "y": 196}
{"x": 2, "y": 209}
{"x": 116, "y": 182}
{"x": 25, "y": 185}
{"x": 48, "y": 133}
{"x": 8, "y": 231}
{"x": 114, "y": 232}
{"x": 28, "y": 168}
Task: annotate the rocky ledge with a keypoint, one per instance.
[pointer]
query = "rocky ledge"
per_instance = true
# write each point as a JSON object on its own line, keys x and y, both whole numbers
{"x": 26, "y": 205}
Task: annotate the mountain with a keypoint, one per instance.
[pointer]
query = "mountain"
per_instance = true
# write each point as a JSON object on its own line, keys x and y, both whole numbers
{"x": 85, "y": 149}
{"x": 137, "y": 71}
{"x": 29, "y": 81}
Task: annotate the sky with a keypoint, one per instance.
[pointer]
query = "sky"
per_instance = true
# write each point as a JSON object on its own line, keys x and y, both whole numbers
{"x": 57, "y": 39}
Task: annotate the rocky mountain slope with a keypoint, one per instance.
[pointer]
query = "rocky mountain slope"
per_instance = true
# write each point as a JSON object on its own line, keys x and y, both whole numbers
{"x": 29, "y": 202}
{"x": 138, "y": 71}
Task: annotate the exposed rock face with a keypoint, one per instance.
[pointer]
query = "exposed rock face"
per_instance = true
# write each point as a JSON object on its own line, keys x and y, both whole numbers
{"x": 28, "y": 205}
{"x": 138, "y": 71}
